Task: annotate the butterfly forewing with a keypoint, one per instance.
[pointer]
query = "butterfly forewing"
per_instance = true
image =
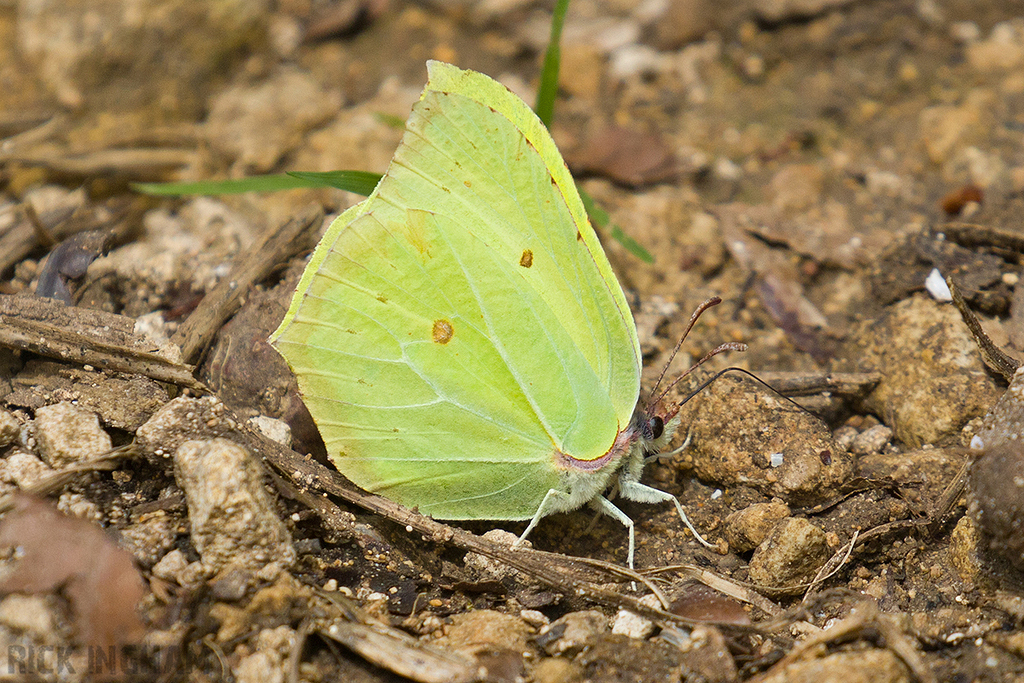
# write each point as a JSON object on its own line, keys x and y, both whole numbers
{"x": 460, "y": 325}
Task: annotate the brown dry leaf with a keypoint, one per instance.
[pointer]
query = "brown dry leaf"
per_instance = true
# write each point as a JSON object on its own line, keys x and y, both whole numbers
{"x": 777, "y": 279}
{"x": 624, "y": 155}
{"x": 696, "y": 601}
{"x": 99, "y": 578}
{"x": 955, "y": 201}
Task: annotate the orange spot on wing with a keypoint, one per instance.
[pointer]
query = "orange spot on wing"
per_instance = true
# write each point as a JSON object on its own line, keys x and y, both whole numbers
{"x": 442, "y": 332}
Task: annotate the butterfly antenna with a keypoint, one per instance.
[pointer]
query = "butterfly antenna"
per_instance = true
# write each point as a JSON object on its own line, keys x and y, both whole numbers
{"x": 749, "y": 374}
{"x": 713, "y": 301}
{"x": 727, "y": 346}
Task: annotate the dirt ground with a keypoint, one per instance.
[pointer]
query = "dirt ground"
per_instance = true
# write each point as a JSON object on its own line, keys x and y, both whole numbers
{"x": 819, "y": 165}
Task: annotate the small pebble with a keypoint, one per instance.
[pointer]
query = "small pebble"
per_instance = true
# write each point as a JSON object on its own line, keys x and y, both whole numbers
{"x": 871, "y": 441}
{"x": 936, "y": 286}
{"x": 481, "y": 630}
{"x": 571, "y": 633}
{"x": 23, "y": 469}
{"x": 631, "y": 624}
{"x": 67, "y": 434}
{"x": 488, "y": 569}
{"x": 233, "y": 518}
{"x": 77, "y": 505}
{"x": 29, "y": 614}
{"x": 933, "y": 380}
{"x": 10, "y": 428}
{"x": 963, "y": 549}
{"x": 231, "y": 584}
{"x": 534, "y": 618}
{"x": 844, "y": 436}
{"x": 875, "y": 665}
{"x": 170, "y": 566}
{"x": 274, "y": 429}
{"x": 556, "y": 670}
{"x": 267, "y": 664}
{"x": 745, "y": 529}
{"x": 737, "y": 426}
{"x": 183, "y": 419}
{"x": 790, "y": 556}
{"x": 150, "y": 537}
{"x": 965, "y": 31}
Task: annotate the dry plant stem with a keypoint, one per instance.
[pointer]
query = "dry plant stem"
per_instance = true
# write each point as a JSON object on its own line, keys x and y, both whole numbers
{"x": 723, "y": 585}
{"x": 864, "y": 621}
{"x": 218, "y": 652}
{"x": 618, "y": 570}
{"x": 557, "y": 571}
{"x": 832, "y": 567}
{"x": 29, "y": 127}
{"x": 743, "y": 592}
{"x": 332, "y": 516}
{"x": 400, "y": 653}
{"x": 973, "y": 235}
{"x": 298, "y": 645}
{"x": 950, "y": 496}
{"x": 63, "y": 342}
{"x": 52, "y": 483}
{"x": 849, "y": 489}
{"x": 804, "y": 384}
{"x": 138, "y": 164}
{"x": 20, "y": 240}
{"x": 990, "y": 353}
{"x": 277, "y": 246}
{"x": 165, "y": 503}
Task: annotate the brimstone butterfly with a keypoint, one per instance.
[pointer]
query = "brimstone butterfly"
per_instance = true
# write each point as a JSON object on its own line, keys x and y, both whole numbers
{"x": 460, "y": 338}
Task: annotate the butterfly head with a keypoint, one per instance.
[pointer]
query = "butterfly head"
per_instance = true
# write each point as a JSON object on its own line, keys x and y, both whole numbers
{"x": 655, "y": 424}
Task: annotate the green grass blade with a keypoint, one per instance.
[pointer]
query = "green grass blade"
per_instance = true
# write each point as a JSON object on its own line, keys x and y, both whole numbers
{"x": 552, "y": 61}
{"x": 602, "y": 220}
{"x": 390, "y": 120}
{"x": 260, "y": 183}
{"x": 360, "y": 182}
{"x": 631, "y": 245}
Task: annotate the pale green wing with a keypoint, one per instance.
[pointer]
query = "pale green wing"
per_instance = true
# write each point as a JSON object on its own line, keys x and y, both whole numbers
{"x": 460, "y": 328}
{"x": 583, "y": 288}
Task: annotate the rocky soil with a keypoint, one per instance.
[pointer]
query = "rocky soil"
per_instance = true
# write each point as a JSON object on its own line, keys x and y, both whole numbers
{"x": 821, "y": 165}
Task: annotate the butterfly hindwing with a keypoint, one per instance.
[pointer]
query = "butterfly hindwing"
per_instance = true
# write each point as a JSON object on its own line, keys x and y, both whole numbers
{"x": 462, "y": 324}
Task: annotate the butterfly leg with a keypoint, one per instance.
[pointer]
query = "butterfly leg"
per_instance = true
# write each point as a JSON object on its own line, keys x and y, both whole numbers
{"x": 605, "y": 506}
{"x": 641, "y": 493}
{"x": 554, "y": 501}
{"x": 665, "y": 455}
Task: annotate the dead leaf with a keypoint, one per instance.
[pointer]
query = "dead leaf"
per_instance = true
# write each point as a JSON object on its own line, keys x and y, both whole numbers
{"x": 776, "y": 279}
{"x": 955, "y": 201}
{"x": 697, "y": 601}
{"x": 625, "y": 155}
{"x": 99, "y": 578}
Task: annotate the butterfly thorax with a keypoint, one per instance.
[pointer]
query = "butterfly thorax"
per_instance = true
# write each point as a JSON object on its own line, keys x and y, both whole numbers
{"x": 583, "y": 480}
{"x": 649, "y": 430}
{"x": 653, "y": 426}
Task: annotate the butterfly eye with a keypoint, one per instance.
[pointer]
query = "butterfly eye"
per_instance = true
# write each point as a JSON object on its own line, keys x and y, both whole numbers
{"x": 656, "y": 426}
